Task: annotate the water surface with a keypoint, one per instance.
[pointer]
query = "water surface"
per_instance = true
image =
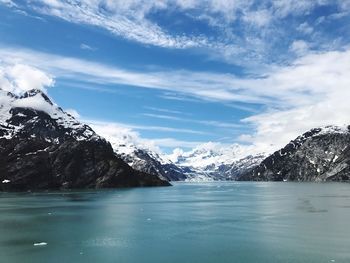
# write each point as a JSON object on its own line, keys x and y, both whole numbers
{"x": 209, "y": 222}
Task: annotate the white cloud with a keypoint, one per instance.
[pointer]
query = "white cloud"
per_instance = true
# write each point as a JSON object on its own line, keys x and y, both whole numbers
{"x": 305, "y": 28}
{"x": 326, "y": 75}
{"x": 166, "y": 110}
{"x": 259, "y": 18}
{"x": 217, "y": 124}
{"x": 87, "y": 47}
{"x": 124, "y": 134}
{"x": 17, "y": 78}
{"x": 123, "y": 18}
{"x": 203, "y": 85}
{"x": 8, "y": 3}
{"x": 145, "y": 127}
{"x": 300, "y": 47}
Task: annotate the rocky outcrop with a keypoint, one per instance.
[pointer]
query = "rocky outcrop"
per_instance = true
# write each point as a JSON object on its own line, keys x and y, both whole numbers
{"x": 46, "y": 148}
{"x": 321, "y": 154}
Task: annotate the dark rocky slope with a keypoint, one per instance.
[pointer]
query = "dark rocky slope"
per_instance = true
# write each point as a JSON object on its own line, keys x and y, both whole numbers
{"x": 145, "y": 161}
{"x": 321, "y": 154}
{"x": 49, "y": 149}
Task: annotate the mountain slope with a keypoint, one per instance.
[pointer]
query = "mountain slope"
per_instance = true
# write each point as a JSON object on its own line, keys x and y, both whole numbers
{"x": 43, "y": 147}
{"x": 321, "y": 154}
{"x": 145, "y": 160}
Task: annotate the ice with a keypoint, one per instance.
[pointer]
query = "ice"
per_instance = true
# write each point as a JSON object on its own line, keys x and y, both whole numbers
{"x": 40, "y": 244}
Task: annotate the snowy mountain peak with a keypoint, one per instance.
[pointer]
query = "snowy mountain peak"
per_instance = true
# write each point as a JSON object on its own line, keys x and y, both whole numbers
{"x": 210, "y": 154}
{"x": 33, "y": 110}
{"x": 36, "y": 92}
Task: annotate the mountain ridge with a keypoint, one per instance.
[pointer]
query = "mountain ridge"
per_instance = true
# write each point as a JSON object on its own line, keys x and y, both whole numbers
{"x": 320, "y": 154}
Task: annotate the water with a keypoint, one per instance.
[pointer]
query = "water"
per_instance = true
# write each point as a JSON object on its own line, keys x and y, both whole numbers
{"x": 210, "y": 222}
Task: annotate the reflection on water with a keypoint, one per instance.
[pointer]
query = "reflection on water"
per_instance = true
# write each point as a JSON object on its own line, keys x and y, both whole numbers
{"x": 209, "y": 222}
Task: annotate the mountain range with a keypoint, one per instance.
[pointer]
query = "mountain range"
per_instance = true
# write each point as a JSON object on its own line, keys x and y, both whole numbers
{"x": 321, "y": 154}
{"x": 44, "y": 147}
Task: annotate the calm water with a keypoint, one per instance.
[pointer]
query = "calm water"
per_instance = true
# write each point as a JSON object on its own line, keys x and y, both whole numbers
{"x": 210, "y": 222}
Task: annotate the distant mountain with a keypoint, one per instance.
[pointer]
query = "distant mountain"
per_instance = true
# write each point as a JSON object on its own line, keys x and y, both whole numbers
{"x": 143, "y": 159}
{"x": 207, "y": 162}
{"x": 321, "y": 154}
{"x": 43, "y": 147}
{"x": 212, "y": 161}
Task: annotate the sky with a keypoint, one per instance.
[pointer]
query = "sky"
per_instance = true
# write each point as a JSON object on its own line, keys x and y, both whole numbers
{"x": 180, "y": 73}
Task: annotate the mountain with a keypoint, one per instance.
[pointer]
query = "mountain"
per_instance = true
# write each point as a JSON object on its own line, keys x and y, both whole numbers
{"x": 321, "y": 154}
{"x": 213, "y": 161}
{"x": 146, "y": 160}
{"x": 43, "y": 147}
{"x": 207, "y": 162}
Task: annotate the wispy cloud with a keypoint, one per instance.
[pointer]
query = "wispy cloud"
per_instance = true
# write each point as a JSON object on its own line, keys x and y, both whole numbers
{"x": 217, "y": 124}
{"x": 201, "y": 85}
{"x": 145, "y": 127}
{"x": 166, "y": 110}
{"x": 124, "y": 133}
{"x": 87, "y": 47}
{"x": 246, "y": 31}
{"x": 123, "y": 18}
{"x": 8, "y": 3}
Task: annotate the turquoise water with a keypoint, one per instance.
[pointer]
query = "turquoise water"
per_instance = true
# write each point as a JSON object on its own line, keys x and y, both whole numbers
{"x": 209, "y": 222}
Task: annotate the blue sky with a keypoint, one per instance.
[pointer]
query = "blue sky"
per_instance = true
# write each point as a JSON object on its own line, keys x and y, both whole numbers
{"x": 180, "y": 72}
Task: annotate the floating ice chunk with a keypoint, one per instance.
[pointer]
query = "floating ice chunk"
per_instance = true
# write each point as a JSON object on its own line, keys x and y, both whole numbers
{"x": 335, "y": 158}
{"x": 6, "y": 181}
{"x": 149, "y": 219}
{"x": 40, "y": 244}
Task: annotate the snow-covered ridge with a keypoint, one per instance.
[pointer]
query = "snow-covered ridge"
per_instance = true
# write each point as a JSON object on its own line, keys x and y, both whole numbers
{"x": 334, "y": 129}
{"x": 211, "y": 155}
{"x": 13, "y": 121}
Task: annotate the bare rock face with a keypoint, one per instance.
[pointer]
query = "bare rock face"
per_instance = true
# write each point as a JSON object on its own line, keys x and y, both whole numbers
{"x": 321, "y": 154}
{"x": 49, "y": 149}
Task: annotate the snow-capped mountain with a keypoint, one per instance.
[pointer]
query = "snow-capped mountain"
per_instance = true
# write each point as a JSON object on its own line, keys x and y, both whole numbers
{"x": 207, "y": 162}
{"x": 321, "y": 154}
{"x": 43, "y": 147}
{"x": 214, "y": 161}
{"x": 25, "y": 113}
{"x": 141, "y": 157}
